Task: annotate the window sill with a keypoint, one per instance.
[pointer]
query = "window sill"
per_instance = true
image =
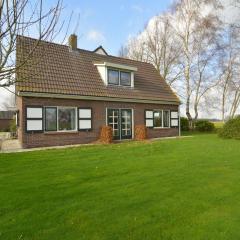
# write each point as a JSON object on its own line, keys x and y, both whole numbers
{"x": 161, "y": 127}
{"x": 60, "y": 132}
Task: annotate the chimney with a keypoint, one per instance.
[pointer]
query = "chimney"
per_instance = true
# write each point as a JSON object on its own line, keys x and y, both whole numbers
{"x": 72, "y": 42}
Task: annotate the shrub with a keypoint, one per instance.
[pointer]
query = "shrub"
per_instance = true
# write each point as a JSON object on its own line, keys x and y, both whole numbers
{"x": 231, "y": 129}
{"x": 13, "y": 126}
{"x": 204, "y": 126}
{"x": 140, "y": 132}
{"x": 184, "y": 124}
{"x": 106, "y": 135}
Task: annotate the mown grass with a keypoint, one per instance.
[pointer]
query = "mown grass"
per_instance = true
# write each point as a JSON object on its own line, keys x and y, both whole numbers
{"x": 172, "y": 189}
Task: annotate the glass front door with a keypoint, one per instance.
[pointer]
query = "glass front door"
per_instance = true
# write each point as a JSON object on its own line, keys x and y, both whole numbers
{"x": 121, "y": 122}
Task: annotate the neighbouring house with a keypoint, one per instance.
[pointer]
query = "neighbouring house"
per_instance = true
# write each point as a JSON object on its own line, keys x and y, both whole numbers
{"x": 6, "y": 118}
{"x": 66, "y": 94}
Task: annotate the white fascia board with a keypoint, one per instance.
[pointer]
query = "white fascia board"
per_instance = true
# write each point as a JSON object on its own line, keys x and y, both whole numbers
{"x": 116, "y": 65}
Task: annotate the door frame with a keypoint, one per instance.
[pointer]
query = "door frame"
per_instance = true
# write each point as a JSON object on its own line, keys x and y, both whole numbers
{"x": 112, "y": 108}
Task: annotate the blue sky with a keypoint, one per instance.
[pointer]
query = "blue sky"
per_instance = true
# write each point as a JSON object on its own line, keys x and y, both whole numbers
{"x": 109, "y": 23}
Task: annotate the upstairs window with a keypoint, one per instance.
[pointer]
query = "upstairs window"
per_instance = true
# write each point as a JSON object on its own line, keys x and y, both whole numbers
{"x": 113, "y": 77}
{"x": 125, "y": 78}
{"x": 119, "y": 78}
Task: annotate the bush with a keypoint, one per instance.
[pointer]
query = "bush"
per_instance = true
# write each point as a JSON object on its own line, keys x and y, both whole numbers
{"x": 140, "y": 132}
{"x": 13, "y": 126}
{"x": 204, "y": 126}
{"x": 184, "y": 124}
{"x": 106, "y": 135}
{"x": 231, "y": 129}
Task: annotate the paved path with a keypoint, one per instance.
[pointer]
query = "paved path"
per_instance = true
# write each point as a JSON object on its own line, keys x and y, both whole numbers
{"x": 13, "y": 145}
{"x": 10, "y": 145}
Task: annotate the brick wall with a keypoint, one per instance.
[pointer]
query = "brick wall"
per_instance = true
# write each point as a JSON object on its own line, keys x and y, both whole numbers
{"x": 29, "y": 140}
{"x": 5, "y": 124}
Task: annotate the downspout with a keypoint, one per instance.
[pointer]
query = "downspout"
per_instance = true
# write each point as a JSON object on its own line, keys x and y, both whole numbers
{"x": 179, "y": 121}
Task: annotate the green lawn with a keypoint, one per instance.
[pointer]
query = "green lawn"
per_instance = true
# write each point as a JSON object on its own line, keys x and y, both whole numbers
{"x": 172, "y": 189}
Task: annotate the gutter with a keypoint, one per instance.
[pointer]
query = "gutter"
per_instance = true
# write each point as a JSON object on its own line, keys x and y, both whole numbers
{"x": 94, "y": 98}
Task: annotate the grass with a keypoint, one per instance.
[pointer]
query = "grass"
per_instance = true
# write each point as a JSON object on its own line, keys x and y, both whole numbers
{"x": 172, "y": 189}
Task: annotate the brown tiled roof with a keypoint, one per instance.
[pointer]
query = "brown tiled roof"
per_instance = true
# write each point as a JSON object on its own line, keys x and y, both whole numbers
{"x": 54, "y": 69}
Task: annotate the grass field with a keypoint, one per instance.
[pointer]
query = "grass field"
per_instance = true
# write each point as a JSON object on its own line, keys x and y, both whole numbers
{"x": 172, "y": 189}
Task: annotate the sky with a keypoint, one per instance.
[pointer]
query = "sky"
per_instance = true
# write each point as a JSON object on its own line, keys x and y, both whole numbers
{"x": 109, "y": 23}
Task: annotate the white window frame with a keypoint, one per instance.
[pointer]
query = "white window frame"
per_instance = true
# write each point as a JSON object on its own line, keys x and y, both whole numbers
{"x": 106, "y": 118}
{"x": 159, "y": 110}
{"x": 63, "y": 107}
{"x": 119, "y": 77}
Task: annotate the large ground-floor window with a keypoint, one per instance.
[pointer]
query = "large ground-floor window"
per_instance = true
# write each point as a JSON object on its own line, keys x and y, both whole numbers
{"x": 58, "y": 119}
{"x": 157, "y": 118}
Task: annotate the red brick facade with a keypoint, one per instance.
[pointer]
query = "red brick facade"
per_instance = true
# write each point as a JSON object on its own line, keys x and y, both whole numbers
{"x": 29, "y": 140}
{"x": 5, "y": 124}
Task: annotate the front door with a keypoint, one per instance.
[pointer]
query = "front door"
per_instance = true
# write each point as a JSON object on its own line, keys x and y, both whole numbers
{"x": 121, "y": 122}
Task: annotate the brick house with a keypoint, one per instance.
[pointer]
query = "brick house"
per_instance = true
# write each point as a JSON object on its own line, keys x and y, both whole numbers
{"x": 65, "y": 94}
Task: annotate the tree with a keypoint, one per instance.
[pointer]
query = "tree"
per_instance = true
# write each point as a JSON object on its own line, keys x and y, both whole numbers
{"x": 24, "y": 17}
{"x": 194, "y": 21}
{"x": 229, "y": 64}
{"x": 156, "y": 45}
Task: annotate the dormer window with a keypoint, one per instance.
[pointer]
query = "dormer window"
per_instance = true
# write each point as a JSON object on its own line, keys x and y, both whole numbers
{"x": 113, "y": 77}
{"x": 125, "y": 78}
{"x": 116, "y": 74}
{"x": 118, "y": 77}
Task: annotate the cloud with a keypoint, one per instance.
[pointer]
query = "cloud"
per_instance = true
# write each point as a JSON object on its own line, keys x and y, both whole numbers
{"x": 96, "y": 36}
{"x": 137, "y": 8}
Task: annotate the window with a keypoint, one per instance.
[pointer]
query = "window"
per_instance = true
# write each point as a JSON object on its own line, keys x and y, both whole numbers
{"x": 34, "y": 119}
{"x": 51, "y": 119}
{"x": 66, "y": 119}
{"x": 157, "y": 118}
{"x": 120, "y": 78}
{"x": 113, "y": 76}
{"x": 125, "y": 78}
{"x": 165, "y": 118}
{"x": 84, "y": 119}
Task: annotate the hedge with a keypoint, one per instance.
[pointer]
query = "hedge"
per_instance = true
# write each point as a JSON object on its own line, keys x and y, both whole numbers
{"x": 231, "y": 129}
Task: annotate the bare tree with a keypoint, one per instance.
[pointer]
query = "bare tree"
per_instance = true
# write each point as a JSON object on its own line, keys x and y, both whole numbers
{"x": 230, "y": 68}
{"x": 156, "y": 45}
{"x": 136, "y": 49}
{"x": 24, "y": 17}
{"x": 162, "y": 50}
{"x": 207, "y": 50}
{"x": 191, "y": 25}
